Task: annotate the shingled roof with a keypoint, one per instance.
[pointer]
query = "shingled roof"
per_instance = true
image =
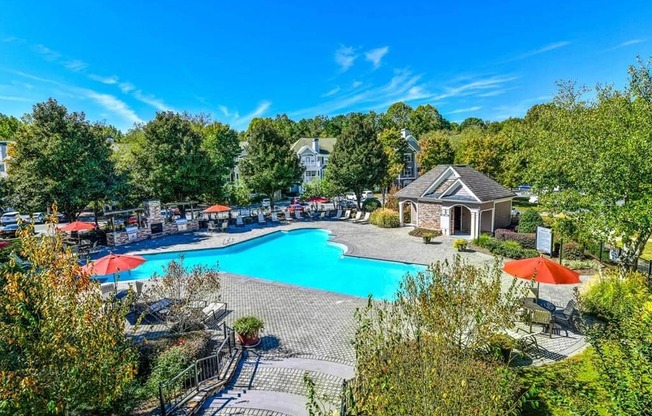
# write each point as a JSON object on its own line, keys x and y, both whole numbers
{"x": 326, "y": 144}
{"x": 482, "y": 186}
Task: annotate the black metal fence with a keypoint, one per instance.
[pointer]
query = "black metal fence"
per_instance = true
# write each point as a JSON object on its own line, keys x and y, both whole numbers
{"x": 176, "y": 391}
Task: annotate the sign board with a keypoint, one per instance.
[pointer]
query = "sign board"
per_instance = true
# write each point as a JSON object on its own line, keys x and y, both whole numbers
{"x": 544, "y": 240}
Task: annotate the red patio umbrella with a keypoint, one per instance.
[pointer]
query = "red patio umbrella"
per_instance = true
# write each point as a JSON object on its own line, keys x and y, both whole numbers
{"x": 215, "y": 209}
{"x": 4, "y": 244}
{"x": 318, "y": 199}
{"x": 77, "y": 226}
{"x": 542, "y": 270}
{"x": 114, "y": 263}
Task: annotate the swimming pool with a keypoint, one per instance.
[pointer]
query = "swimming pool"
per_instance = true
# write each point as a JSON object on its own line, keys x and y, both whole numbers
{"x": 299, "y": 257}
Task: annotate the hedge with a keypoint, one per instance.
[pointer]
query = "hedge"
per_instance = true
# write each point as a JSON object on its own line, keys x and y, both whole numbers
{"x": 572, "y": 251}
{"x": 511, "y": 249}
{"x": 529, "y": 221}
{"x": 385, "y": 218}
{"x": 371, "y": 204}
{"x": 424, "y": 232}
{"x": 526, "y": 240}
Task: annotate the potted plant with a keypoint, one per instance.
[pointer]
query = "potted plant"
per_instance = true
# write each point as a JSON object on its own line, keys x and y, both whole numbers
{"x": 460, "y": 244}
{"x": 248, "y": 330}
{"x": 503, "y": 344}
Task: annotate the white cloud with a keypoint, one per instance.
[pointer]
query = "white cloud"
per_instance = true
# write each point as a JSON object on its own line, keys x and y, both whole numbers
{"x": 625, "y": 44}
{"x": 356, "y": 84}
{"x": 15, "y": 98}
{"x": 126, "y": 87}
{"x": 465, "y": 110}
{"x": 113, "y": 104}
{"x": 345, "y": 56}
{"x": 332, "y": 92}
{"x": 475, "y": 87}
{"x": 375, "y": 56}
{"x": 76, "y": 65}
{"x": 47, "y": 53}
{"x": 543, "y": 49}
{"x": 151, "y": 100}
{"x": 110, "y": 80}
{"x": 241, "y": 122}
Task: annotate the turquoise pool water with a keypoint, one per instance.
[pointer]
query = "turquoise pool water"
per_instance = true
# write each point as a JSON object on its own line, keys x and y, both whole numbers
{"x": 300, "y": 257}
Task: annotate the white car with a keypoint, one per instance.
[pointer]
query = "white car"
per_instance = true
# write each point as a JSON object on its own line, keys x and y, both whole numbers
{"x": 12, "y": 218}
{"x": 534, "y": 199}
{"x": 351, "y": 197}
{"x": 266, "y": 203}
{"x": 367, "y": 194}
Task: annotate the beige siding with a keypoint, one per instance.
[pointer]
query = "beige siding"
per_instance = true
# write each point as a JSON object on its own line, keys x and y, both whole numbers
{"x": 429, "y": 215}
{"x": 485, "y": 222}
{"x": 503, "y": 214}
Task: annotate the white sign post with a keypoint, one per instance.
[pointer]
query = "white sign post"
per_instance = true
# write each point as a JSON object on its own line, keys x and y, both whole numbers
{"x": 544, "y": 240}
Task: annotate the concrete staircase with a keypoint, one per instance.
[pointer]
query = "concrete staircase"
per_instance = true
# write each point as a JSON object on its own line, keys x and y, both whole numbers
{"x": 268, "y": 386}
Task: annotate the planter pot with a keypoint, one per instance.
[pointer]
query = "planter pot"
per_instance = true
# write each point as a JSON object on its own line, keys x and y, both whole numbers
{"x": 426, "y": 240}
{"x": 250, "y": 340}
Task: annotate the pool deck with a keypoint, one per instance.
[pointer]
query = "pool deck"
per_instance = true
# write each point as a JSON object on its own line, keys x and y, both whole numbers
{"x": 316, "y": 327}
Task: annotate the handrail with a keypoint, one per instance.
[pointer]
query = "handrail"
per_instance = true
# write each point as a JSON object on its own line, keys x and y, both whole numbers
{"x": 177, "y": 390}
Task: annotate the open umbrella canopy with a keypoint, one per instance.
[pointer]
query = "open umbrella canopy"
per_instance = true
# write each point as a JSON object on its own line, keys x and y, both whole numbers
{"x": 77, "y": 226}
{"x": 215, "y": 209}
{"x": 542, "y": 270}
{"x": 318, "y": 199}
{"x": 4, "y": 244}
{"x": 114, "y": 263}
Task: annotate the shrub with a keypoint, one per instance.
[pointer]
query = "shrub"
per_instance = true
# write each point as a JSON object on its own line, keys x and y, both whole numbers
{"x": 385, "y": 218}
{"x": 248, "y": 325}
{"x": 612, "y": 298}
{"x": 572, "y": 251}
{"x": 460, "y": 244}
{"x": 424, "y": 232}
{"x": 526, "y": 240}
{"x": 581, "y": 264}
{"x": 168, "y": 364}
{"x": 484, "y": 241}
{"x": 371, "y": 204}
{"x": 529, "y": 221}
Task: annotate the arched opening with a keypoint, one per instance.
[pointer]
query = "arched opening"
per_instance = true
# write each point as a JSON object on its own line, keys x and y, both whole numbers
{"x": 408, "y": 213}
{"x": 460, "y": 220}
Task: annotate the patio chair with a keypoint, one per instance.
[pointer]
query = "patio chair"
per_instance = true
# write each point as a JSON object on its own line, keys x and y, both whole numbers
{"x": 365, "y": 219}
{"x": 274, "y": 217}
{"x": 107, "y": 289}
{"x": 322, "y": 215}
{"x": 225, "y": 226}
{"x": 567, "y": 316}
{"x": 297, "y": 215}
{"x": 347, "y": 215}
{"x": 157, "y": 310}
{"x": 543, "y": 318}
{"x": 211, "y": 226}
{"x": 239, "y": 222}
{"x": 261, "y": 218}
{"x": 358, "y": 215}
{"x": 207, "y": 311}
{"x": 338, "y": 215}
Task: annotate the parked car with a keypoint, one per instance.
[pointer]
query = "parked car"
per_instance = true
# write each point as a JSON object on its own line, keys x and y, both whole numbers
{"x": 62, "y": 218}
{"x": 38, "y": 217}
{"x": 348, "y": 204}
{"x": 266, "y": 203}
{"x": 534, "y": 199}
{"x": 10, "y": 217}
{"x": 351, "y": 197}
{"x": 367, "y": 194}
{"x": 9, "y": 231}
{"x": 86, "y": 217}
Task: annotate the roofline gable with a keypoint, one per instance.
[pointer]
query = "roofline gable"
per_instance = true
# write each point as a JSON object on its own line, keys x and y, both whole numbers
{"x": 438, "y": 181}
{"x": 459, "y": 181}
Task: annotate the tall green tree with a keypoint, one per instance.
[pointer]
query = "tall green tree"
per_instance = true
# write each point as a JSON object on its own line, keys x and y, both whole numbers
{"x": 397, "y": 116}
{"x": 63, "y": 350}
{"x": 8, "y": 127}
{"x": 435, "y": 150}
{"x": 593, "y": 158}
{"x": 221, "y": 144}
{"x": 395, "y": 147}
{"x": 472, "y": 122}
{"x": 269, "y": 165}
{"x": 358, "y": 161}
{"x": 59, "y": 157}
{"x": 169, "y": 160}
{"x": 426, "y": 118}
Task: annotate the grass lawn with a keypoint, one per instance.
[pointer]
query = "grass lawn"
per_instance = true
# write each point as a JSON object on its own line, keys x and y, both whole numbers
{"x": 647, "y": 251}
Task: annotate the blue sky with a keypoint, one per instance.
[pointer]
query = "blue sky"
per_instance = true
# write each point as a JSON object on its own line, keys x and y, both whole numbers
{"x": 123, "y": 61}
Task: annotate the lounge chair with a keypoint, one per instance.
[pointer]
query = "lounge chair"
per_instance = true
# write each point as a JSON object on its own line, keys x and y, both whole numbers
{"x": 274, "y": 217}
{"x": 207, "y": 311}
{"x": 297, "y": 215}
{"x": 239, "y": 222}
{"x": 322, "y": 216}
{"x": 261, "y": 218}
{"x": 346, "y": 215}
{"x": 211, "y": 226}
{"x": 108, "y": 289}
{"x": 365, "y": 219}
{"x": 225, "y": 225}
{"x": 338, "y": 215}
{"x": 158, "y": 310}
{"x": 358, "y": 215}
